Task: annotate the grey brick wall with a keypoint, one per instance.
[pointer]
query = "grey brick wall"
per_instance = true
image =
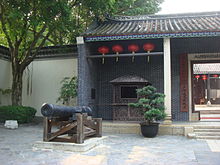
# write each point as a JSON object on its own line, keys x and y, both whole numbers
{"x": 94, "y": 74}
{"x": 187, "y": 46}
{"x": 152, "y": 71}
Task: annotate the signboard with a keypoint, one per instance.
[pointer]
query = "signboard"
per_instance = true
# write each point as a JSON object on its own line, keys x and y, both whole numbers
{"x": 184, "y": 88}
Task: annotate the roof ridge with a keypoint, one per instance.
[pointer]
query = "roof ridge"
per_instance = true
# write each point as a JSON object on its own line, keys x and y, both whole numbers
{"x": 119, "y": 18}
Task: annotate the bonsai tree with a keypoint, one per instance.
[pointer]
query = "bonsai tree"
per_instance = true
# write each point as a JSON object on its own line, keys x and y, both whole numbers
{"x": 68, "y": 90}
{"x": 150, "y": 103}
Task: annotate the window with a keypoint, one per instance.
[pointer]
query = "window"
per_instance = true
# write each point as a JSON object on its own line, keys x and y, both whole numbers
{"x": 93, "y": 93}
{"x": 128, "y": 92}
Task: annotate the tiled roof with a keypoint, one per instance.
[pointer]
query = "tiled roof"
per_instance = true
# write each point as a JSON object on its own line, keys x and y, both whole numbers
{"x": 212, "y": 68}
{"x": 156, "y": 26}
{"x": 47, "y": 52}
{"x": 129, "y": 79}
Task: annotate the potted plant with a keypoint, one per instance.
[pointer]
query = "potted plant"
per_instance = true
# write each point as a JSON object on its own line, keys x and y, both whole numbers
{"x": 152, "y": 107}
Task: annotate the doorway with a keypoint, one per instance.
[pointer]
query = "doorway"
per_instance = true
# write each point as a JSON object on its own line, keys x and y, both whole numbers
{"x": 206, "y": 90}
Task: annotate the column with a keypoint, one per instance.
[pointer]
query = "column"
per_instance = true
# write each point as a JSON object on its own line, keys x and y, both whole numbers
{"x": 81, "y": 70}
{"x": 167, "y": 80}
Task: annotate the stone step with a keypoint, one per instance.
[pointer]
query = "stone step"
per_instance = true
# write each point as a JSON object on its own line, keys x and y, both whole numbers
{"x": 208, "y": 137}
{"x": 210, "y": 119}
{"x": 207, "y": 133}
{"x": 210, "y": 112}
{"x": 210, "y": 115}
{"x": 207, "y": 130}
{"x": 206, "y": 126}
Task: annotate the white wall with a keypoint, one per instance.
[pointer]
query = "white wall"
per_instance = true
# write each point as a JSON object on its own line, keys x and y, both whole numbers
{"x": 44, "y": 77}
{"x": 5, "y": 80}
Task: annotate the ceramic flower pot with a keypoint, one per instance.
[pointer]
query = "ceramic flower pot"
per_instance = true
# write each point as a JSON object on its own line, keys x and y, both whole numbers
{"x": 149, "y": 130}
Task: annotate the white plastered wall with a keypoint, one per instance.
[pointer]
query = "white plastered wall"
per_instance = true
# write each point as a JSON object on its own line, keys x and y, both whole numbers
{"x": 44, "y": 78}
{"x": 5, "y": 80}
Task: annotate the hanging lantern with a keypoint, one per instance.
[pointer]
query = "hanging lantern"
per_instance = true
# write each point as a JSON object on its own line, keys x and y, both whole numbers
{"x": 215, "y": 75}
{"x": 103, "y": 50}
{"x": 148, "y": 47}
{"x": 117, "y": 49}
{"x": 197, "y": 77}
{"x": 133, "y": 48}
{"x": 204, "y": 77}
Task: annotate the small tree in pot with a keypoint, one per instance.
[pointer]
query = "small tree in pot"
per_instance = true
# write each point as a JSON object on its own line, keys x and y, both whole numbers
{"x": 152, "y": 107}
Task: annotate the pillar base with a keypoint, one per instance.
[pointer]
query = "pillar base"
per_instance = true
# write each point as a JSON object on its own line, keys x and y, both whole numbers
{"x": 168, "y": 120}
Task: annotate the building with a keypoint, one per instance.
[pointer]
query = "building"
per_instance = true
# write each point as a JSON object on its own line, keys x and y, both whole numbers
{"x": 125, "y": 52}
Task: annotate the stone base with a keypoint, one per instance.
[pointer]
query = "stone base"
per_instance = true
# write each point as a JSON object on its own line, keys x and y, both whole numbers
{"x": 87, "y": 145}
{"x": 121, "y": 127}
{"x": 165, "y": 129}
{"x": 134, "y": 128}
{"x": 11, "y": 124}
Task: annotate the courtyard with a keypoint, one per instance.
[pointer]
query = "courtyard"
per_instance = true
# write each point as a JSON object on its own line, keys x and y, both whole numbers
{"x": 16, "y": 148}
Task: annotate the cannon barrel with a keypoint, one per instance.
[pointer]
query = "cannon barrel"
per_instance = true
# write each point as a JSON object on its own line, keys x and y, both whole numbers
{"x": 50, "y": 110}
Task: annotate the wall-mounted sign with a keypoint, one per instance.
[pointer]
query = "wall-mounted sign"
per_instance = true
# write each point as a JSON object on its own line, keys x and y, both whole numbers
{"x": 184, "y": 88}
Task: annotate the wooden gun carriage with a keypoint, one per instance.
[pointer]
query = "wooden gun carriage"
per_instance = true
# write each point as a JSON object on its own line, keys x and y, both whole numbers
{"x": 73, "y": 124}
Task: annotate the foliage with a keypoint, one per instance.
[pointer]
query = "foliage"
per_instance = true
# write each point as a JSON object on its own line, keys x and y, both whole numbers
{"x": 20, "y": 113}
{"x": 68, "y": 89}
{"x": 5, "y": 91}
{"x": 151, "y": 103}
{"x": 85, "y": 12}
{"x": 74, "y": 19}
{"x": 136, "y": 7}
{"x": 27, "y": 26}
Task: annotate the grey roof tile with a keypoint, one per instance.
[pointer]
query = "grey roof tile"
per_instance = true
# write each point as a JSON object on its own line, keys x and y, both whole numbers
{"x": 157, "y": 24}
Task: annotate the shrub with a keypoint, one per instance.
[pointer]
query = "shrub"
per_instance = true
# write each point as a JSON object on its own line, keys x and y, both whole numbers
{"x": 150, "y": 103}
{"x": 20, "y": 113}
{"x": 68, "y": 90}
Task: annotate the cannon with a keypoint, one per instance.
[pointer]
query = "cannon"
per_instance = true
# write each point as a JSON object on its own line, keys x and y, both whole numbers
{"x": 74, "y": 123}
{"x": 51, "y": 111}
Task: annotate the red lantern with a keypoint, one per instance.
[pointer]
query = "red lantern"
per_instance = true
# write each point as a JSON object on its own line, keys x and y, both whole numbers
{"x": 117, "y": 49}
{"x": 197, "y": 77}
{"x": 204, "y": 77}
{"x": 148, "y": 47}
{"x": 103, "y": 50}
{"x": 133, "y": 48}
{"x": 215, "y": 75}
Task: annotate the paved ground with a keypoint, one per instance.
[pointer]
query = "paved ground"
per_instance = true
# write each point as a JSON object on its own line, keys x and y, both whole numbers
{"x": 118, "y": 149}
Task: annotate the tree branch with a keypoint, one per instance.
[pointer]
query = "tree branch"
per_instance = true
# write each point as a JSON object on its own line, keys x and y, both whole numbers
{"x": 24, "y": 31}
{"x": 28, "y": 59}
{"x": 36, "y": 37}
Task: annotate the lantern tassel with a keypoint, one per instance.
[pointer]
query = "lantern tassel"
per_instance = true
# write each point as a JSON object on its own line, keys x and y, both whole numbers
{"x": 133, "y": 57}
{"x": 148, "y": 57}
{"x": 103, "y": 59}
{"x": 117, "y": 57}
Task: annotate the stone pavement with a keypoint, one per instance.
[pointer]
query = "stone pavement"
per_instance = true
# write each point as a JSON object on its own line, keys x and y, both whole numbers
{"x": 117, "y": 149}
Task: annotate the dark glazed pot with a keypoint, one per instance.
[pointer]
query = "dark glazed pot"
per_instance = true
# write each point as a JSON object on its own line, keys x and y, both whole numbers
{"x": 149, "y": 130}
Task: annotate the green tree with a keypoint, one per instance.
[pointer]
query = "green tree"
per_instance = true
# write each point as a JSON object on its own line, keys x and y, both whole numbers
{"x": 85, "y": 12}
{"x": 28, "y": 25}
{"x": 136, "y": 7}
